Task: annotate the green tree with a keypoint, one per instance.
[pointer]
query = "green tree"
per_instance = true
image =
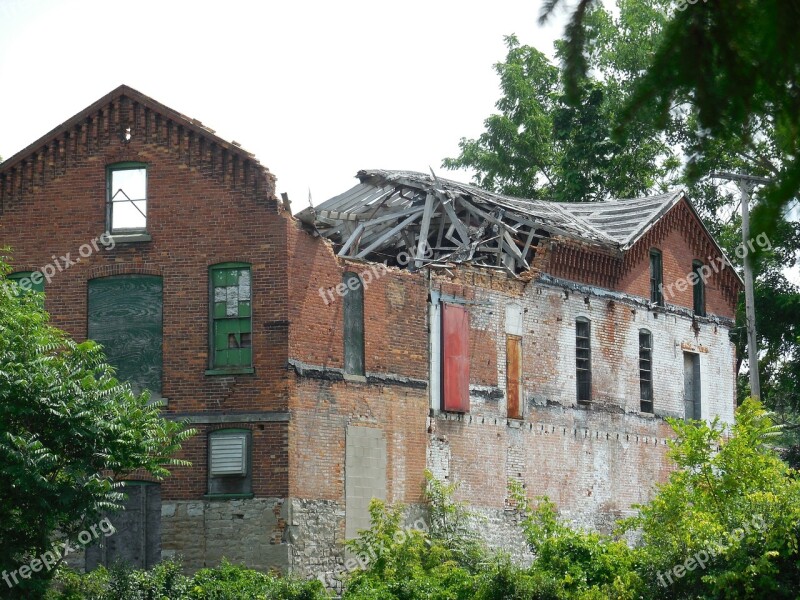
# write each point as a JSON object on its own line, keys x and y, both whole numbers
{"x": 539, "y": 146}
{"x": 570, "y": 137}
{"x": 729, "y": 513}
{"x": 69, "y": 431}
{"x": 734, "y": 64}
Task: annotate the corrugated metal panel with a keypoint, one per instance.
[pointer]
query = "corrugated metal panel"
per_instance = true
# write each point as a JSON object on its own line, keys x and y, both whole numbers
{"x": 228, "y": 454}
{"x": 455, "y": 363}
{"x": 514, "y": 376}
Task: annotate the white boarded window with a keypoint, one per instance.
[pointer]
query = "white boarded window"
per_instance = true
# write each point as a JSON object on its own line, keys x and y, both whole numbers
{"x": 514, "y": 319}
{"x": 228, "y": 453}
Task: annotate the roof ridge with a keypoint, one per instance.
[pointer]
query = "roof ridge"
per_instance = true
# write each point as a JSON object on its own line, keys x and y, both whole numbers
{"x": 125, "y": 91}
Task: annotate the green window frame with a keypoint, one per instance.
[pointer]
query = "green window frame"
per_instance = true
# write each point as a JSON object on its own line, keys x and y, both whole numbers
{"x": 230, "y": 318}
{"x": 28, "y": 281}
{"x": 126, "y": 198}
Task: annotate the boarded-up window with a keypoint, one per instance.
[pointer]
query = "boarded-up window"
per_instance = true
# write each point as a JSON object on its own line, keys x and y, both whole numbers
{"x": 646, "y": 370}
{"x": 514, "y": 376}
{"x": 231, "y": 327}
{"x": 353, "y": 324}
{"x": 228, "y": 454}
{"x": 125, "y": 316}
{"x": 583, "y": 359}
{"x": 455, "y": 363}
{"x": 229, "y": 469}
{"x": 136, "y": 537}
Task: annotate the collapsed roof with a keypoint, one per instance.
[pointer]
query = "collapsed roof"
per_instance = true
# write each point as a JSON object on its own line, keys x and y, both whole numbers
{"x": 438, "y": 221}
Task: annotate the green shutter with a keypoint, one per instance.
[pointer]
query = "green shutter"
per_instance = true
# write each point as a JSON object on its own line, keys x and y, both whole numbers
{"x": 125, "y": 316}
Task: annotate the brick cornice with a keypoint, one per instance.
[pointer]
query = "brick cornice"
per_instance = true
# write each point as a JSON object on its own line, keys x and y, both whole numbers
{"x": 105, "y": 125}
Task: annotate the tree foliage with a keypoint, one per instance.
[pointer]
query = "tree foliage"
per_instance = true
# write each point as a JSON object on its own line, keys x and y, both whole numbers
{"x": 588, "y": 131}
{"x": 69, "y": 431}
{"x": 539, "y": 146}
{"x": 724, "y": 525}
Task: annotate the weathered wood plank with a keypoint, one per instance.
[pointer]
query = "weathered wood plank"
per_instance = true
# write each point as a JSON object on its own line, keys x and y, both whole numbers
{"x": 389, "y": 234}
{"x": 424, "y": 228}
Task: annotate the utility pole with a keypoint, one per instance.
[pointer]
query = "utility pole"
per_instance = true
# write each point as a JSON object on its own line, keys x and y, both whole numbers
{"x": 746, "y": 184}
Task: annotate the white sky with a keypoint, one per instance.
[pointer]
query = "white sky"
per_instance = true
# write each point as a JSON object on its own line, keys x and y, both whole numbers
{"x": 317, "y": 90}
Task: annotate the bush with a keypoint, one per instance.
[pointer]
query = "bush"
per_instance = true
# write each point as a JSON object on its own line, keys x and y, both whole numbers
{"x": 166, "y": 582}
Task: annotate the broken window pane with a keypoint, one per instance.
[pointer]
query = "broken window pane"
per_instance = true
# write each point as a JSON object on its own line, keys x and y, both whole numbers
{"x": 127, "y": 197}
{"x": 232, "y": 327}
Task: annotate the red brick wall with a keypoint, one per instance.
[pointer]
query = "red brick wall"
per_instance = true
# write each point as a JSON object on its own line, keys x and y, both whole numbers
{"x": 198, "y": 216}
{"x": 680, "y": 237}
{"x": 677, "y": 251}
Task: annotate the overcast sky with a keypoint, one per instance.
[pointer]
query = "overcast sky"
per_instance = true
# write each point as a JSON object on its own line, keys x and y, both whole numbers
{"x": 317, "y": 90}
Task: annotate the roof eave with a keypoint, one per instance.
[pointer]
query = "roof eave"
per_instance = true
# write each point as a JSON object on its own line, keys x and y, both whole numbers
{"x": 124, "y": 90}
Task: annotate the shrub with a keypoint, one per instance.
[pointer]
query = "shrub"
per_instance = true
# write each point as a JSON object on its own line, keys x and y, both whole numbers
{"x": 166, "y": 582}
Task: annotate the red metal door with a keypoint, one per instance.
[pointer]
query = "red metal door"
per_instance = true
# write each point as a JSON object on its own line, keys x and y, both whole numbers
{"x": 455, "y": 363}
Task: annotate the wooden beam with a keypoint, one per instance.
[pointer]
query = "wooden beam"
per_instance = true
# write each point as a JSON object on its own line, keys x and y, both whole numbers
{"x": 424, "y": 228}
{"x": 389, "y": 234}
{"x": 353, "y": 237}
{"x": 451, "y": 213}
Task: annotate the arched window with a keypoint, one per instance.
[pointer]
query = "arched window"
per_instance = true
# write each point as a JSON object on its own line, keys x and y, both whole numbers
{"x": 353, "y": 324}
{"x": 583, "y": 359}
{"x": 646, "y": 370}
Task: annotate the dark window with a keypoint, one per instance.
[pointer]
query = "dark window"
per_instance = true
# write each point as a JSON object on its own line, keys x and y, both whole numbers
{"x": 28, "y": 281}
{"x": 229, "y": 470}
{"x": 583, "y": 359}
{"x": 699, "y": 289}
{"x": 691, "y": 386}
{"x": 656, "y": 278}
{"x": 646, "y": 370}
{"x": 455, "y": 362}
{"x": 353, "y": 324}
{"x": 125, "y": 316}
{"x": 126, "y": 195}
{"x": 231, "y": 317}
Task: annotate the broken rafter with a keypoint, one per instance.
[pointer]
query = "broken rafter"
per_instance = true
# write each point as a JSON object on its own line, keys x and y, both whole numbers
{"x": 424, "y": 228}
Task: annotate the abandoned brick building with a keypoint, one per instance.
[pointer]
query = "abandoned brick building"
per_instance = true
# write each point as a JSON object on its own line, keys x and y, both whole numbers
{"x": 410, "y": 323}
